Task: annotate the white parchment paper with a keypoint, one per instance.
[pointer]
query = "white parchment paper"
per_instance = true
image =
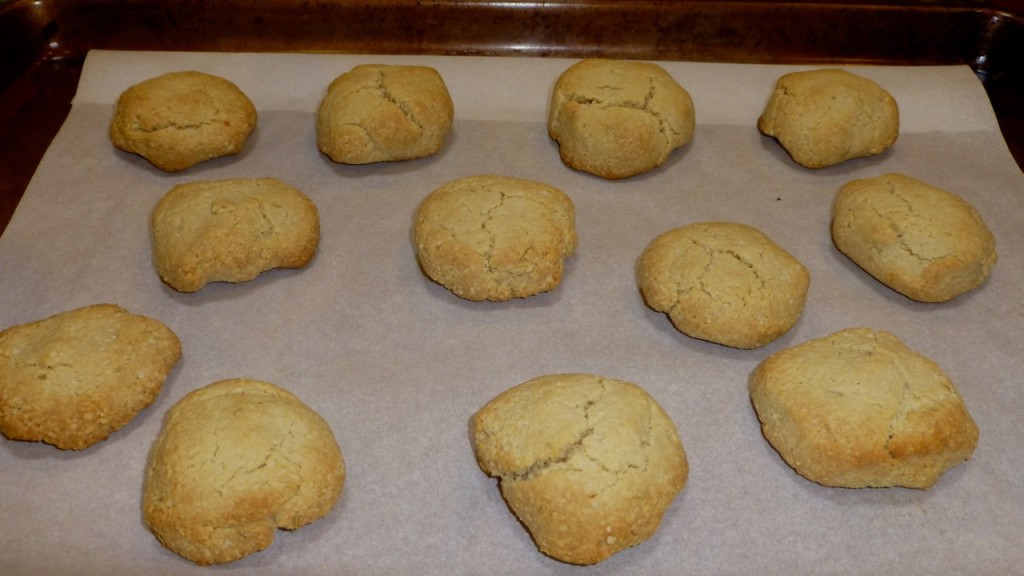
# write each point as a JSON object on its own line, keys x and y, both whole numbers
{"x": 397, "y": 365}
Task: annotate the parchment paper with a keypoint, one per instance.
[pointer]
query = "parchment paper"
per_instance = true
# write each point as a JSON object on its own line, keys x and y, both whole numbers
{"x": 397, "y": 365}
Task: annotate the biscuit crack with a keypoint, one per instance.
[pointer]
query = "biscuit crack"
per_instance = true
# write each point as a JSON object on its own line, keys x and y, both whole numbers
{"x": 400, "y": 104}
{"x": 177, "y": 124}
{"x": 568, "y": 452}
{"x": 541, "y": 466}
{"x": 713, "y": 254}
{"x": 900, "y": 227}
{"x": 910, "y": 400}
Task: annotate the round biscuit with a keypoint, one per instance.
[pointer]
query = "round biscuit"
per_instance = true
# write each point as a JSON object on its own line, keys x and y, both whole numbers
{"x": 179, "y": 119}
{"x": 495, "y": 238}
{"x": 860, "y": 409}
{"x": 825, "y": 117}
{"x": 924, "y": 242}
{"x": 723, "y": 282}
{"x": 618, "y": 118}
{"x": 234, "y": 461}
{"x": 231, "y": 230}
{"x": 588, "y": 464}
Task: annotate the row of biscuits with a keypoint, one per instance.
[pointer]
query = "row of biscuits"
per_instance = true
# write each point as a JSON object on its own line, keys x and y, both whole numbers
{"x": 517, "y": 218}
{"x": 613, "y": 119}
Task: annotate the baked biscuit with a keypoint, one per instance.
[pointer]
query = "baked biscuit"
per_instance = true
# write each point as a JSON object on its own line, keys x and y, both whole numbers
{"x": 180, "y": 119}
{"x": 618, "y": 118}
{"x": 588, "y": 464}
{"x": 73, "y": 378}
{"x": 231, "y": 231}
{"x": 860, "y": 409}
{"x": 383, "y": 113}
{"x": 824, "y": 117}
{"x": 723, "y": 282}
{"x": 495, "y": 237}
{"x": 233, "y": 462}
{"x": 927, "y": 244}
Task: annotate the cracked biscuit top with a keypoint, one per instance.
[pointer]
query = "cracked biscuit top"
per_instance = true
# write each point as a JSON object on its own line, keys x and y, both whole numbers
{"x": 231, "y": 231}
{"x": 860, "y": 409}
{"x": 825, "y": 117}
{"x": 723, "y": 282}
{"x": 588, "y": 464}
{"x": 180, "y": 119}
{"x": 73, "y": 378}
{"x": 618, "y": 118}
{"x": 495, "y": 237}
{"x": 927, "y": 244}
{"x": 384, "y": 113}
{"x": 233, "y": 462}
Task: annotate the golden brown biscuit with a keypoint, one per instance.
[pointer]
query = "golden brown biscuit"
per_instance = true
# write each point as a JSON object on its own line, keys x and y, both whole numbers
{"x": 588, "y": 464}
{"x": 495, "y": 237}
{"x": 180, "y": 119}
{"x": 233, "y": 462}
{"x": 860, "y": 409}
{"x": 231, "y": 231}
{"x": 824, "y": 117}
{"x": 618, "y": 118}
{"x": 927, "y": 244}
{"x": 73, "y": 378}
{"x": 383, "y": 113}
{"x": 723, "y": 282}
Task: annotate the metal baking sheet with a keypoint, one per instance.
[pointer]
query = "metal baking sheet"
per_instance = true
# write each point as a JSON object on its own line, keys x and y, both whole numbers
{"x": 397, "y": 364}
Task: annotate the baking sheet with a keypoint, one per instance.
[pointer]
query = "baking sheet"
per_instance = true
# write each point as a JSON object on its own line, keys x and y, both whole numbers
{"x": 397, "y": 364}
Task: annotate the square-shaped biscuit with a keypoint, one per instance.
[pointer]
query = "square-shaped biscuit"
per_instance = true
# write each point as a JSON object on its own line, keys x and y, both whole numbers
{"x": 73, "y": 378}
{"x": 384, "y": 113}
{"x": 618, "y": 118}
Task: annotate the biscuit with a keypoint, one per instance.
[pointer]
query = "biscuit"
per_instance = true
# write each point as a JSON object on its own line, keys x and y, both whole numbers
{"x": 825, "y": 117}
{"x": 618, "y": 118}
{"x": 73, "y": 378}
{"x": 860, "y": 409}
{"x": 723, "y": 282}
{"x": 231, "y": 231}
{"x": 923, "y": 242}
{"x": 495, "y": 237}
{"x": 384, "y": 113}
{"x": 588, "y": 464}
{"x": 180, "y": 119}
{"x": 233, "y": 462}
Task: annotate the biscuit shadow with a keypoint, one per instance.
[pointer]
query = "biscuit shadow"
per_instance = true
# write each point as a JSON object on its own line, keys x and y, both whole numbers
{"x": 436, "y": 291}
{"x": 771, "y": 147}
{"x": 675, "y": 158}
{"x": 884, "y": 499}
{"x": 226, "y": 291}
{"x": 855, "y": 273}
{"x": 196, "y": 171}
{"x": 392, "y": 167}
